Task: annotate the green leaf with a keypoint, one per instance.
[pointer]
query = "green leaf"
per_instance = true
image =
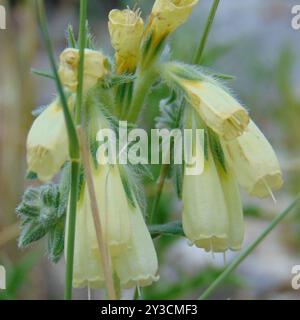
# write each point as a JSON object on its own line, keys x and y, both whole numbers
{"x": 172, "y": 228}
{"x": 43, "y": 209}
{"x": 31, "y": 232}
{"x": 56, "y": 241}
{"x": 41, "y": 73}
{"x": 71, "y": 37}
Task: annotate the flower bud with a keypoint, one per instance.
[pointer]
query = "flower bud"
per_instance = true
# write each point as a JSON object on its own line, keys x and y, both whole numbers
{"x": 95, "y": 68}
{"x": 220, "y": 111}
{"x": 168, "y": 15}
{"x": 138, "y": 265}
{"x": 126, "y": 29}
{"x": 47, "y": 143}
{"x": 254, "y": 162}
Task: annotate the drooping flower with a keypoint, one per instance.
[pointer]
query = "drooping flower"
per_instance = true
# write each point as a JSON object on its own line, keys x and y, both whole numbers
{"x": 95, "y": 68}
{"x": 88, "y": 270}
{"x": 126, "y": 29}
{"x": 212, "y": 211}
{"x": 138, "y": 265}
{"x": 254, "y": 162}
{"x": 220, "y": 111}
{"x": 47, "y": 142}
{"x": 113, "y": 207}
{"x": 234, "y": 207}
{"x": 131, "y": 250}
{"x": 167, "y": 16}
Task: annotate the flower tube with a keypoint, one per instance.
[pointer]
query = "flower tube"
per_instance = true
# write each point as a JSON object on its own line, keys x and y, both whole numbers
{"x": 126, "y": 29}
{"x": 47, "y": 143}
{"x": 254, "y": 162}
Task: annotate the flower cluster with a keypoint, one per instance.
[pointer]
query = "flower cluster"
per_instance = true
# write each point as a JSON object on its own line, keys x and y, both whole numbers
{"x": 236, "y": 153}
{"x": 233, "y": 152}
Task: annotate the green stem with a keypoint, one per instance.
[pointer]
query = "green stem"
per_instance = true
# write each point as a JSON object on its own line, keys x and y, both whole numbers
{"x": 74, "y": 150}
{"x": 82, "y": 45}
{"x": 199, "y": 53}
{"x": 75, "y": 169}
{"x": 235, "y": 263}
{"x": 74, "y": 144}
{"x": 160, "y": 186}
{"x": 173, "y": 228}
{"x": 144, "y": 81}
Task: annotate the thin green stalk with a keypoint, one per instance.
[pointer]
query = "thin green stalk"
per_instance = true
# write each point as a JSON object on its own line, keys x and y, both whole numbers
{"x": 235, "y": 263}
{"x": 73, "y": 145}
{"x": 197, "y": 60}
{"x": 74, "y": 151}
{"x": 144, "y": 82}
{"x": 75, "y": 169}
{"x": 82, "y": 46}
{"x": 42, "y": 74}
{"x": 199, "y": 53}
{"x": 160, "y": 186}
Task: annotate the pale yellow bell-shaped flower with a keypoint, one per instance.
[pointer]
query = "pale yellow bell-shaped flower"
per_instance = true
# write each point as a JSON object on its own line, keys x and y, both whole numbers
{"x": 88, "y": 270}
{"x": 137, "y": 265}
{"x": 236, "y": 228}
{"x": 47, "y": 142}
{"x": 212, "y": 209}
{"x": 167, "y": 16}
{"x": 126, "y": 29}
{"x": 254, "y": 162}
{"x": 114, "y": 208}
{"x": 220, "y": 111}
{"x": 95, "y": 68}
{"x": 205, "y": 219}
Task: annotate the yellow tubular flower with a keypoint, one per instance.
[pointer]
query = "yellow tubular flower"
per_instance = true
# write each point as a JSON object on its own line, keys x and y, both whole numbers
{"x": 220, "y": 111}
{"x": 95, "y": 68}
{"x": 87, "y": 259}
{"x": 254, "y": 162}
{"x": 167, "y": 16}
{"x": 47, "y": 143}
{"x": 236, "y": 228}
{"x": 113, "y": 207}
{"x": 138, "y": 265}
{"x": 205, "y": 219}
{"x": 126, "y": 29}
